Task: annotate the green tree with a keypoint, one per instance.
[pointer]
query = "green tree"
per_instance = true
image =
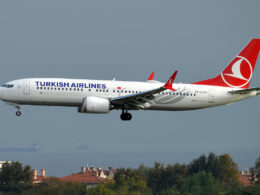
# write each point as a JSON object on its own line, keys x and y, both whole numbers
{"x": 222, "y": 167}
{"x": 257, "y": 168}
{"x": 15, "y": 178}
{"x": 170, "y": 192}
{"x": 249, "y": 190}
{"x": 127, "y": 181}
{"x": 202, "y": 183}
{"x": 212, "y": 164}
{"x": 143, "y": 172}
{"x": 197, "y": 165}
{"x": 53, "y": 186}
{"x": 227, "y": 170}
{"x": 102, "y": 189}
{"x": 163, "y": 178}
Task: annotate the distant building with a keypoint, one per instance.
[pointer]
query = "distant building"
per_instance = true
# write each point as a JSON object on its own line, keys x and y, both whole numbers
{"x": 244, "y": 180}
{"x": 99, "y": 172}
{"x": 245, "y": 172}
{"x": 3, "y": 162}
{"x": 90, "y": 179}
{"x": 91, "y": 176}
{"x": 247, "y": 177}
{"x": 39, "y": 178}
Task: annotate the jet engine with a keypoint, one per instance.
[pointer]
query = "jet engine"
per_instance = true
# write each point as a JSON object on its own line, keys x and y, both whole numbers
{"x": 94, "y": 105}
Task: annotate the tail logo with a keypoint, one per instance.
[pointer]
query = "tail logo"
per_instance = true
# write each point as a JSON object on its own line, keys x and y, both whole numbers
{"x": 170, "y": 81}
{"x": 238, "y": 73}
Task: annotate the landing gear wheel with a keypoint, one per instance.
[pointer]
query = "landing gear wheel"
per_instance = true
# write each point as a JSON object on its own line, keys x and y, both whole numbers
{"x": 18, "y": 113}
{"x": 128, "y": 116}
{"x": 125, "y": 116}
{"x": 122, "y": 116}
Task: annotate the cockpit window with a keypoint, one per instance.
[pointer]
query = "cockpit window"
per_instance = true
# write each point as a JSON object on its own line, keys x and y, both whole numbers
{"x": 8, "y": 86}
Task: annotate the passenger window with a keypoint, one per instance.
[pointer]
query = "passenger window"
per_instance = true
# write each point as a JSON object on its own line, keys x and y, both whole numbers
{"x": 81, "y": 89}
{"x": 89, "y": 90}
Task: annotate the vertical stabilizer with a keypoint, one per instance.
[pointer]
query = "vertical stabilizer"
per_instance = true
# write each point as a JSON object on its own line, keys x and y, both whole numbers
{"x": 239, "y": 72}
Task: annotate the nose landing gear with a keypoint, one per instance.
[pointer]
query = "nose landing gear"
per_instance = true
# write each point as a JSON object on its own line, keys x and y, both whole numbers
{"x": 18, "y": 112}
{"x": 125, "y": 116}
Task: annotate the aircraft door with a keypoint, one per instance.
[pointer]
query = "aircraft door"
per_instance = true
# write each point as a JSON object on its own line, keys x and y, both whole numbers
{"x": 26, "y": 87}
{"x": 211, "y": 95}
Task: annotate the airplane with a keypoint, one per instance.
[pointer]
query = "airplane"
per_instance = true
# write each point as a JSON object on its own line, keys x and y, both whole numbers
{"x": 102, "y": 96}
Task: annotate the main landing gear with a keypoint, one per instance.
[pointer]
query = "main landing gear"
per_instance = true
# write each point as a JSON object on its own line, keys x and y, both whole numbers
{"x": 125, "y": 116}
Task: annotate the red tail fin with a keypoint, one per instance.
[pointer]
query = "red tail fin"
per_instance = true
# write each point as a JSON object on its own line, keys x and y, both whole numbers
{"x": 239, "y": 72}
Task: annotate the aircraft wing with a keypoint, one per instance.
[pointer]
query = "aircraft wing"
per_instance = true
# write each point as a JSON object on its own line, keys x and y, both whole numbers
{"x": 245, "y": 91}
{"x": 138, "y": 100}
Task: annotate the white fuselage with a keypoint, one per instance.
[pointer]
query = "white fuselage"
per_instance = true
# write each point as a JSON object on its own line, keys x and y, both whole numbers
{"x": 71, "y": 92}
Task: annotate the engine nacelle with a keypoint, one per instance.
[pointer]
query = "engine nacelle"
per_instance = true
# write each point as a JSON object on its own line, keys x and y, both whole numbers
{"x": 94, "y": 105}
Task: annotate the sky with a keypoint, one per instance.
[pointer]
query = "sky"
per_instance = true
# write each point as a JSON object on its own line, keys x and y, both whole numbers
{"x": 126, "y": 40}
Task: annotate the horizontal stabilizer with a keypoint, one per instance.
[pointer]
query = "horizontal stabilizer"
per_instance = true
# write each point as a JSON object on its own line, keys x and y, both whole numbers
{"x": 246, "y": 91}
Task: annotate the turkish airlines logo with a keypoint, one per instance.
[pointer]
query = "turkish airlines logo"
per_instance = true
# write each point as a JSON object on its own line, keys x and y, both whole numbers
{"x": 170, "y": 81}
{"x": 239, "y": 73}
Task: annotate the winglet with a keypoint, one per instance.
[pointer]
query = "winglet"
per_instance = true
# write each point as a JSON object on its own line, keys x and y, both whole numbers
{"x": 151, "y": 77}
{"x": 168, "y": 84}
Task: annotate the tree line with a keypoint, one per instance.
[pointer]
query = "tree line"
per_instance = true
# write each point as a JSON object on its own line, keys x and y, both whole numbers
{"x": 211, "y": 174}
